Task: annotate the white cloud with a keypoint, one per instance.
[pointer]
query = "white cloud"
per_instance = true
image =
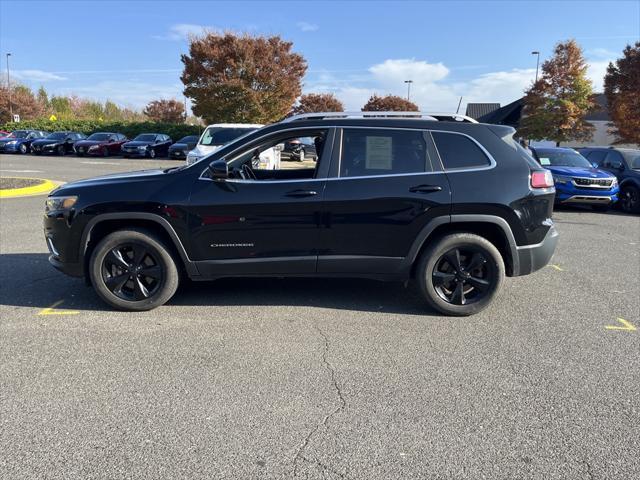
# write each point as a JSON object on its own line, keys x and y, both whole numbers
{"x": 36, "y": 75}
{"x": 596, "y": 71}
{"x": 393, "y": 71}
{"x": 307, "y": 27}
{"x": 182, "y": 31}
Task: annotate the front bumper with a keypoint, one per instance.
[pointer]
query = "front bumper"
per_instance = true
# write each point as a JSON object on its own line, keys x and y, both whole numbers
{"x": 568, "y": 193}
{"x": 534, "y": 257}
{"x": 177, "y": 154}
{"x": 5, "y": 148}
{"x": 134, "y": 153}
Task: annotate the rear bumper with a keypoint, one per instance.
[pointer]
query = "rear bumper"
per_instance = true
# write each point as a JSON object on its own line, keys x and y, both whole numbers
{"x": 534, "y": 257}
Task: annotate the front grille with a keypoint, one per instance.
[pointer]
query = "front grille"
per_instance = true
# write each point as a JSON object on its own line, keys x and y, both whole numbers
{"x": 593, "y": 182}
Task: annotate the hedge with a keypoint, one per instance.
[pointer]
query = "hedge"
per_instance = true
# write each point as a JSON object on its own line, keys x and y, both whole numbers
{"x": 175, "y": 130}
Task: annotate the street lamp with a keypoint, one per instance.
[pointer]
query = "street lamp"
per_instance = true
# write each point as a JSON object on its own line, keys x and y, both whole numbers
{"x": 537, "y": 63}
{"x": 9, "y": 87}
{"x": 408, "y": 82}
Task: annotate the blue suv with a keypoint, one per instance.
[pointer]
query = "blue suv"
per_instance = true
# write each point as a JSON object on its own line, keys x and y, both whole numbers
{"x": 576, "y": 180}
{"x": 624, "y": 163}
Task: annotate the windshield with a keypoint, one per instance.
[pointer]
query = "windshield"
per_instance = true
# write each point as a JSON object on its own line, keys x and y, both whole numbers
{"x": 99, "y": 137}
{"x": 562, "y": 158}
{"x": 18, "y": 134}
{"x": 189, "y": 139}
{"x": 57, "y": 136}
{"x": 632, "y": 157}
{"x": 145, "y": 137}
{"x": 220, "y": 135}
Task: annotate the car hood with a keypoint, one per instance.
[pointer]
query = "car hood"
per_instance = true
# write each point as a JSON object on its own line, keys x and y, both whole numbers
{"x": 7, "y": 139}
{"x": 113, "y": 178}
{"x": 46, "y": 141}
{"x": 89, "y": 143}
{"x": 579, "y": 172}
{"x": 137, "y": 143}
{"x": 180, "y": 146}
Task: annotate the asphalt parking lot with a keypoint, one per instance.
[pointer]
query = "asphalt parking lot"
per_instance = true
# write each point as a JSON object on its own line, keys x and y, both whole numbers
{"x": 251, "y": 378}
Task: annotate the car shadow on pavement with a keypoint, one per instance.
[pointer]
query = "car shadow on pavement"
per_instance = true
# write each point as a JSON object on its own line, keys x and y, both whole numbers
{"x": 28, "y": 280}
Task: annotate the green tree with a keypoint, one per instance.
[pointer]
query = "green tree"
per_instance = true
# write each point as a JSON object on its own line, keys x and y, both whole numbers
{"x": 622, "y": 88}
{"x": 555, "y": 105}
{"x": 389, "y": 103}
{"x": 241, "y": 78}
{"x": 43, "y": 97}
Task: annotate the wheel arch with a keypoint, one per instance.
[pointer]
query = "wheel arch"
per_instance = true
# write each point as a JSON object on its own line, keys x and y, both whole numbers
{"x": 106, "y": 223}
{"x": 493, "y": 228}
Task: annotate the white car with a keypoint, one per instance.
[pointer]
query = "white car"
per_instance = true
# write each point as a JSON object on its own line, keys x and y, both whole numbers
{"x": 219, "y": 134}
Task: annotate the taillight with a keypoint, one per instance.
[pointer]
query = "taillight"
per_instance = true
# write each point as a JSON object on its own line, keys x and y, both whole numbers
{"x": 541, "y": 179}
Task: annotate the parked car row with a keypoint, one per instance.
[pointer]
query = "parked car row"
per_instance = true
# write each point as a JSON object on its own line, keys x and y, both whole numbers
{"x": 597, "y": 176}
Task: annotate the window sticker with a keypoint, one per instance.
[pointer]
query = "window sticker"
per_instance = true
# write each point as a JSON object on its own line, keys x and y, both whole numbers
{"x": 545, "y": 161}
{"x": 379, "y": 153}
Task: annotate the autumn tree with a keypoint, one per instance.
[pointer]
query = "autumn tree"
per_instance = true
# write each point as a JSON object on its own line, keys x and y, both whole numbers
{"x": 241, "y": 78}
{"x": 169, "y": 111}
{"x": 389, "y": 103}
{"x": 317, "y": 102}
{"x": 555, "y": 105}
{"x": 622, "y": 89}
{"x": 23, "y": 103}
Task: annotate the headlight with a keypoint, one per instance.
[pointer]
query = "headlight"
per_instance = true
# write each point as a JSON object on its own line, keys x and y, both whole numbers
{"x": 93, "y": 147}
{"x": 142, "y": 149}
{"x": 54, "y": 204}
{"x": 614, "y": 183}
{"x": 12, "y": 142}
{"x": 557, "y": 179}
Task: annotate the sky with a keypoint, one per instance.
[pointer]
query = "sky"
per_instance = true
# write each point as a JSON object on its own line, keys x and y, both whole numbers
{"x": 129, "y": 51}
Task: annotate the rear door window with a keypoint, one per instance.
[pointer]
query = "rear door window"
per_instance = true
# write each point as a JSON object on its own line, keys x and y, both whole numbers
{"x": 370, "y": 151}
{"x": 459, "y": 151}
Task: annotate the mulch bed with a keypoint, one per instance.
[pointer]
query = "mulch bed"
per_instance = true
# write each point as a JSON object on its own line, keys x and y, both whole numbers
{"x": 6, "y": 183}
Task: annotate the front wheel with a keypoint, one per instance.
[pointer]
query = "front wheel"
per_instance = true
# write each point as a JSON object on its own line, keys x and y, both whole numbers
{"x": 61, "y": 150}
{"x": 23, "y": 149}
{"x": 630, "y": 199}
{"x": 152, "y": 153}
{"x": 301, "y": 154}
{"x": 133, "y": 270}
{"x": 460, "y": 274}
{"x": 105, "y": 152}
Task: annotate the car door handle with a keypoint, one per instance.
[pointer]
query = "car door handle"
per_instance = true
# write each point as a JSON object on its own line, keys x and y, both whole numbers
{"x": 425, "y": 188}
{"x": 301, "y": 193}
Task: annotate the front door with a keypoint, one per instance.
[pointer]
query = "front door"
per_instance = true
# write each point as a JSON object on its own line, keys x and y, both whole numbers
{"x": 261, "y": 220}
{"x": 387, "y": 186}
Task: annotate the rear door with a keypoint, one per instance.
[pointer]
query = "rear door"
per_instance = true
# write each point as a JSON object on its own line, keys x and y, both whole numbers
{"x": 386, "y": 185}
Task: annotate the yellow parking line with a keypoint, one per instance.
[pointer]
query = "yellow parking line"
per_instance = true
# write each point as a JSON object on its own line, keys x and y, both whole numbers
{"x": 557, "y": 267}
{"x": 44, "y": 187}
{"x": 628, "y": 326}
{"x": 51, "y": 310}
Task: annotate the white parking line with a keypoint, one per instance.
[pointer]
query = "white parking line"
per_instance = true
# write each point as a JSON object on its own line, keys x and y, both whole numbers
{"x": 21, "y": 171}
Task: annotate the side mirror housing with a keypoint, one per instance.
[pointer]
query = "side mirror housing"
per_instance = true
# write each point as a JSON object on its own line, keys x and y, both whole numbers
{"x": 219, "y": 170}
{"x": 279, "y": 147}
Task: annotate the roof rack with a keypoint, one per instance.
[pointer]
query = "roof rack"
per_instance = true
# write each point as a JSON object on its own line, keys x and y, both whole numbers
{"x": 442, "y": 117}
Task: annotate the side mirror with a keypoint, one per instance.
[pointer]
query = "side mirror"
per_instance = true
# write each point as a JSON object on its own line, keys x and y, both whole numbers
{"x": 219, "y": 170}
{"x": 279, "y": 147}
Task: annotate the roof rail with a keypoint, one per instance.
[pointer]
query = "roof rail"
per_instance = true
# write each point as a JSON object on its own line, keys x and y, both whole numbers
{"x": 443, "y": 117}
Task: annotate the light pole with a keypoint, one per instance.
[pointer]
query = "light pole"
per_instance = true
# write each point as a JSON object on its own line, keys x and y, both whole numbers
{"x": 537, "y": 63}
{"x": 408, "y": 82}
{"x": 9, "y": 87}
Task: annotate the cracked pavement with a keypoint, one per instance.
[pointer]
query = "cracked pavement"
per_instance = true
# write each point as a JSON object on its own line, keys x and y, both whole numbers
{"x": 315, "y": 378}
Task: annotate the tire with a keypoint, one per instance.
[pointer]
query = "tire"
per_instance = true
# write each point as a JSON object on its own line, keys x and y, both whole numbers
{"x": 125, "y": 156}
{"x": 600, "y": 208}
{"x": 118, "y": 276}
{"x": 79, "y": 154}
{"x": 60, "y": 150}
{"x": 301, "y": 155}
{"x": 23, "y": 149}
{"x": 105, "y": 152}
{"x": 630, "y": 199}
{"x": 437, "y": 280}
{"x": 152, "y": 153}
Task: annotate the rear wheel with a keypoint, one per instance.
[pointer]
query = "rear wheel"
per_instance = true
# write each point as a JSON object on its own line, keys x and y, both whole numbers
{"x": 630, "y": 199}
{"x": 133, "y": 270}
{"x": 460, "y": 274}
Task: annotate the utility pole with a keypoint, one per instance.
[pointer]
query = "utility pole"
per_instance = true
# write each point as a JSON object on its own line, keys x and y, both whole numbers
{"x": 537, "y": 63}
{"x": 9, "y": 87}
{"x": 408, "y": 82}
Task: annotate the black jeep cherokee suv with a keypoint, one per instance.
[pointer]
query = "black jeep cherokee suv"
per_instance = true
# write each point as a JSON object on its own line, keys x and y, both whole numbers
{"x": 453, "y": 205}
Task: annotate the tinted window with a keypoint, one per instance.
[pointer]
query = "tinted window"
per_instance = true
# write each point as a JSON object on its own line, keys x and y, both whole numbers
{"x": 613, "y": 160}
{"x": 145, "y": 137}
{"x": 220, "y": 135}
{"x": 458, "y": 151}
{"x": 57, "y": 136}
{"x": 596, "y": 156}
{"x": 367, "y": 151}
{"x": 632, "y": 157}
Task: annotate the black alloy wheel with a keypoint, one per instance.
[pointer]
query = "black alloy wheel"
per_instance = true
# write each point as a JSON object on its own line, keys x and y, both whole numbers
{"x": 630, "y": 199}
{"x": 23, "y": 148}
{"x": 131, "y": 272}
{"x": 152, "y": 153}
{"x": 463, "y": 276}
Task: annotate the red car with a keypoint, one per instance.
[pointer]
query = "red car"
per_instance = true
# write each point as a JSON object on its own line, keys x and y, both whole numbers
{"x": 101, "y": 143}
